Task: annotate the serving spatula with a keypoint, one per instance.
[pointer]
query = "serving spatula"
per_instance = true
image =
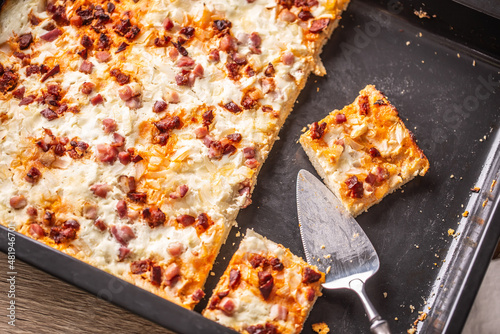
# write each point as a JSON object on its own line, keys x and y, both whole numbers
{"x": 336, "y": 244}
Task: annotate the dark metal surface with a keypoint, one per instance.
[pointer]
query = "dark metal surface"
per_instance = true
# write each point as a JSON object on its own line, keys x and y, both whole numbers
{"x": 453, "y": 109}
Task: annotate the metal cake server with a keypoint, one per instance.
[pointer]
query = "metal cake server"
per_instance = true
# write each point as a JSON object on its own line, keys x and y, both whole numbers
{"x": 336, "y": 244}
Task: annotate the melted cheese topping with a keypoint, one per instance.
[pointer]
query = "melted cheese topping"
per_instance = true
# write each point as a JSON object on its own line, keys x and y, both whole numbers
{"x": 343, "y": 151}
{"x": 214, "y": 184}
{"x": 289, "y": 293}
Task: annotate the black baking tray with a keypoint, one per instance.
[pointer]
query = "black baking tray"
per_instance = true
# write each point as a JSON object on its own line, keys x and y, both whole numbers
{"x": 441, "y": 71}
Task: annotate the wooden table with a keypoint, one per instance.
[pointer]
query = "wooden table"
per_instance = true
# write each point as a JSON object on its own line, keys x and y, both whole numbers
{"x": 46, "y": 304}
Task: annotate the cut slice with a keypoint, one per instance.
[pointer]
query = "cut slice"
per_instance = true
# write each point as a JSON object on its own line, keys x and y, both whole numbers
{"x": 364, "y": 151}
{"x": 265, "y": 288}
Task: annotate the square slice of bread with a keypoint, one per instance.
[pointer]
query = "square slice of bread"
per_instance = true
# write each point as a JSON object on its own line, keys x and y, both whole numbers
{"x": 364, "y": 151}
{"x": 265, "y": 288}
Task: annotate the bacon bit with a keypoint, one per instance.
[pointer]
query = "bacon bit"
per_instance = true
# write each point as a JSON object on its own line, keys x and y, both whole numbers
{"x": 287, "y": 16}
{"x": 370, "y": 179}
{"x": 120, "y": 77}
{"x": 185, "y": 220}
{"x": 121, "y": 208}
{"x": 156, "y": 275}
{"x": 228, "y": 43}
{"x": 126, "y": 183}
{"x": 214, "y": 56}
{"x": 82, "y": 53}
{"x": 288, "y": 58}
{"x": 249, "y": 71}
{"x": 104, "y": 42}
{"x": 269, "y": 71}
{"x": 121, "y": 47}
{"x": 137, "y": 197}
{"x": 154, "y": 217}
{"x": 118, "y": 140}
{"x": 215, "y": 150}
{"x": 198, "y": 295}
{"x": 319, "y": 25}
{"x": 182, "y": 50}
{"x": 202, "y": 221}
{"x": 256, "y": 260}
{"x": 227, "y": 305}
{"x": 132, "y": 33}
{"x": 310, "y": 276}
{"x": 48, "y": 218}
{"x": 201, "y": 132}
{"x": 234, "y": 137}
{"x": 65, "y": 233}
{"x": 266, "y": 283}
{"x": 86, "y": 67}
{"x": 123, "y": 234}
{"x": 168, "y": 24}
{"x": 198, "y": 71}
{"x": 59, "y": 15}
{"x": 374, "y": 152}
{"x": 36, "y": 231}
{"x": 354, "y": 186}
{"x": 252, "y": 163}
{"x": 233, "y": 107}
{"x": 86, "y": 42}
{"x": 276, "y": 264}
{"x": 305, "y": 15}
{"x": 310, "y": 294}
{"x": 247, "y": 102}
{"x": 18, "y": 202}
{"x": 161, "y": 42}
{"x": 188, "y": 32}
{"x": 8, "y": 81}
{"x": 340, "y": 118}
{"x": 100, "y": 190}
{"x": 185, "y": 62}
{"x": 122, "y": 253}
{"x": 103, "y": 56}
{"x": 317, "y": 130}
{"x": 382, "y": 174}
{"x": 106, "y": 153}
{"x": 32, "y": 211}
{"x": 175, "y": 248}
{"x": 239, "y": 58}
{"x": 364, "y": 105}
{"x": 221, "y": 25}
{"x": 19, "y": 93}
{"x": 98, "y": 99}
{"x": 380, "y": 102}
{"x": 100, "y": 225}
{"x": 124, "y": 158}
{"x": 233, "y": 70}
{"x": 51, "y": 35}
{"x": 101, "y": 16}
{"x": 33, "y": 19}
{"x": 76, "y": 21}
{"x": 48, "y": 114}
{"x": 25, "y": 40}
{"x": 141, "y": 266}
{"x": 87, "y": 88}
{"x": 172, "y": 271}
{"x": 32, "y": 69}
{"x": 168, "y": 123}
{"x": 255, "y": 40}
{"x": 234, "y": 278}
{"x": 109, "y": 125}
{"x": 53, "y": 71}
{"x": 122, "y": 27}
{"x": 89, "y": 211}
{"x": 182, "y": 79}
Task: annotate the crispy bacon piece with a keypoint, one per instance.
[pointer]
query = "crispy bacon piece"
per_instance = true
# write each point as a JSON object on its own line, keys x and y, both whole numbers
{"x": 154, "y": 217}
{"x": 100, "y": 225}
{"x": 109, "y": 125}
{"x": 202, "y": 221}
{"x": 32, "y": 69}
{"x": 278, "y": 312}
{"x": 233, "y": 107}
{"x": 287, "y": 16}
{"x": 52, "y": 35}
{"x": 364, "y": 105}
{"x": 48, "y": 218}
{"x": 354, "y": 187}
{"x": 234, "y": 278}
{"x": 276, "y": 264}
{"x": 127, "y": 183}
{"x": 319, "y": 25}
{"x": 87, "y": 88}
{"x": 227, "y": 305}
{"x": 25, "y": 41}
{"x": 110, "y": 7}
{"x": 18, "y": 202}
{"x": 121, "y": 208}
{"x": 103, "y": 56}
{"x": 317, "y": 130}
{"x": 137, "y": 197}
{"x": 123, "y": 27}
{"x": 89, "y": 211}
{"x": 141, "y": 266}
{"x": 76, "y": 21}
{"x": 374, "y": 152}
{"x": 124, "y": 158}
{"x": 305, "y": 14}
{"x": 186, "y": 220}
{"x": 53, "y": 71}
{"x": 214, "y": 56}
{"x": 8, "y": 81}
{"x": 340, "y": 118}
{"x": 310, "y": 276}
{"x": 175, "y": 248}
{"x": 266, "y": 283}
{"x": 48, "y": 114}
{"x": 59, "y": 15}
{"x": 121, "y": 47}
{"x": 168, "y": 123}
{"x": 156, "y": 273}
{"x": 86, "y": 67}
{"x": 36, "y": 231}
{"x": 98, "y": 99}
{"x": 168, "y": 24}
{"x": 221, "y": 25}
{"x": 132, "y": 33}
{"x": 160, "y": 106}
{"x": 288, "y": 58}
{"x": 268, "y": 328}
{"x": 100, "y": 190}
{"x": 106, "y": 153}
{"x": 188, "y": 32}
{"x": 64, "y": 233}
{"x": 19, "y": 93}
{"x": 27, "y": 100}
{"x": 172, "y": 271}
{"x": 120, "y": 77}
{"x": 161, "y": 42}
{"x": 118, "y": 140}
{"x": 104, "y": 42}
{"x": 86, "y": 42}
{"x": 182, "y": 50}
{"x": 123, "y": 234}
{"x": 228, "y": 43}
{"x": 123, "y": 252}
{"x": 198, "y": 295}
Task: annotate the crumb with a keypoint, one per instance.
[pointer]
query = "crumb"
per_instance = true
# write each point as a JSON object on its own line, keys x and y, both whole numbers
{"x": 417, "y": 246}
{"x": 412, "y": 308}
{"x": 493, "y": 183}
{"x": 304, "y": 129}
{"x": 475, "y": 189}
{"x": 452, "y": 176}
{"x": 233, "y": 243}
{"x": 317, "y": 89}
{"x": 328, "y": 269}
{"x": 451, "y": 232}
{"x": 408, "y": 43}
{"x": 212, "y": 273}
{"x": 385, "y": 294}
{"x": 465, "y": 214}
{"x": 485, "y": 202}
{"x": 423, "y": 62}
{"x": 322, "y": 246}
{"x": 421, "y": 14}
{"x": 422, "y": 317}
{"x": 458, "y": 55}
{"x": 411, "y": 331}
{"x": 238, "y": 234}
{"x": 419, "y": 34}
{"x": 327, "y": 256}
{"x": 321, "y": 328}
{"x": 473, "y": 63}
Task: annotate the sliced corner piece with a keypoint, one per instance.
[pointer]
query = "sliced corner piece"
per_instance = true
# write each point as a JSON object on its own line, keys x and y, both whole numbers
{"x": 364, "y": 151}
{"x": 265, "y": 288}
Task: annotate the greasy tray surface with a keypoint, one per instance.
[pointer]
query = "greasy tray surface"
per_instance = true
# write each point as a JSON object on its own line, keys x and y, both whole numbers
{"x": 434, "y": 90}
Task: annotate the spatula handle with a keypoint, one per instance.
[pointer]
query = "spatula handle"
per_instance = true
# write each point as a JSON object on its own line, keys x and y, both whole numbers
{"x": 377, "y": 324}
